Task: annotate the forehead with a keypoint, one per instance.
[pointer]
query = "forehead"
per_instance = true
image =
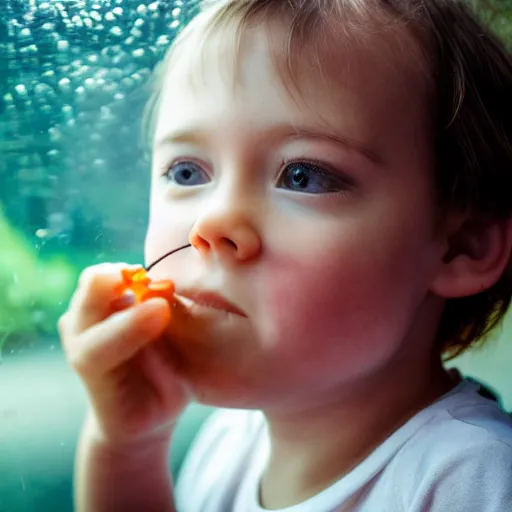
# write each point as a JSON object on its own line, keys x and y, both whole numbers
{"x": 325, "y": 45}
{"x": 345, "y": 72}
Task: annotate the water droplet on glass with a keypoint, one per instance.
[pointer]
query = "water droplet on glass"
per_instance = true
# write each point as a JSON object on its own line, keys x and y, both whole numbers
{"x": 55, "y": 135}
{"x": 21, "y": 89}
{"x": 29, "y": 17}
{"x": 135, "y": 32}
{"x": 127, "y": 83}
{"x": 64, "y": 82}
{"x": 90, "y": 83}
{"x": 106, "y": 113}
{"x": 162, "y": 41}
{"x": 41, "y": 233}
{"x": 49, "y": 74}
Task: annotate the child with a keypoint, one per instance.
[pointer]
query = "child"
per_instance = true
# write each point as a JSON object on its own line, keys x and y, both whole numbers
{"x": 350, "y": 221}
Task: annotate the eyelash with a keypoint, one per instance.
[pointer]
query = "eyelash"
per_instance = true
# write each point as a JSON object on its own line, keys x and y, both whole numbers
{"x": 165, "y": 169}
{"x": 346, "y": 181}
{"x": 320, "y": 167}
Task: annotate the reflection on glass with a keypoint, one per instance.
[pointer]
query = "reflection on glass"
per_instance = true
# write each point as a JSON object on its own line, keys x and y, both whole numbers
{"x": 73, "y": 192}
{"x": 73, "y": 168}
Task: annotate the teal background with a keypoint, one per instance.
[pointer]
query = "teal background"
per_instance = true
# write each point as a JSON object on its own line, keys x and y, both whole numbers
{"x": 74, "y": 176}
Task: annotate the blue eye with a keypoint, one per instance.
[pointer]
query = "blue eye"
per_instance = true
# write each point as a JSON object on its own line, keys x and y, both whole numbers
{"x": 187, "y": 174}
{"x": 308, "y": 178}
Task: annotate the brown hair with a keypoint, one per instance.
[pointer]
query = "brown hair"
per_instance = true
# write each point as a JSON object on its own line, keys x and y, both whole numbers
{"x": 470, "y": 74}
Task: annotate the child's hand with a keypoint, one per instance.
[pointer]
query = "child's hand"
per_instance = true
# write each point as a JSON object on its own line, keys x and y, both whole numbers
{"x": 123, "y": 359}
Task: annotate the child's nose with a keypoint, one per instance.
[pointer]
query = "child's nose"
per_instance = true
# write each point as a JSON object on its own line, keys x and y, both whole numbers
{"x": 231, "y": 237}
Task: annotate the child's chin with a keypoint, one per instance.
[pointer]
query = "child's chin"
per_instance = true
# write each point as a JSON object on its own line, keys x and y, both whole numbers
{"x": 210, "y": 347}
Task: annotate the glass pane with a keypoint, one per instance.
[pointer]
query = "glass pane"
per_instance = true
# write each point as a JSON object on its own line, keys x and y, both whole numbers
{"x": 74, "y": 182}
{"x": 73, "y": 192}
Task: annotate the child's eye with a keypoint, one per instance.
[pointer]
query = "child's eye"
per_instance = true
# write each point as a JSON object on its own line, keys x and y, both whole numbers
{"x": 187, "y": 174}
{"x": 310, "y": 179}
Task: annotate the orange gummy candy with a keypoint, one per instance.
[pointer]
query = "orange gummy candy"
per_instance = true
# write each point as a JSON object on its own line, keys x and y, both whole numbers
{"x": 139, "y": 283}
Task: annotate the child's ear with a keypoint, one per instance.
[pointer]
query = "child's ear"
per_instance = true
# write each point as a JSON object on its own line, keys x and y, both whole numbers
{"x": 477, "y": 253}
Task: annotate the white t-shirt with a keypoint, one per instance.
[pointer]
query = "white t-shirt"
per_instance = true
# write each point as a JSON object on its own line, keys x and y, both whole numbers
{"x": 453, "y": 456}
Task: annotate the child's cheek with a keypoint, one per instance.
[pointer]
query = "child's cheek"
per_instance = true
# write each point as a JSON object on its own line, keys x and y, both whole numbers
{"x": 326, "y": 315}
{"x": 155, "y": 243}
{"x": 162, "y": 236}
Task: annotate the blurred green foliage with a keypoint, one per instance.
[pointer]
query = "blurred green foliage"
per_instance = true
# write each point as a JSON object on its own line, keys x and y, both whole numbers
{"x": 498, "y": 15}
{"x": 33, "y": 291}
{"x": 36, "y": 285}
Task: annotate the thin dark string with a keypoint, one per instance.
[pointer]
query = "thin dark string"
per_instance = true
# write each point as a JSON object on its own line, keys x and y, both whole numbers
{"x": 149, "y": 267}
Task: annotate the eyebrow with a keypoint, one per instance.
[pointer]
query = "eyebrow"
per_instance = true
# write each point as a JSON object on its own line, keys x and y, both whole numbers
{"x": 181, "y": 137}
{"x": 198, "y": 137}
{"x": 304, "y": 132}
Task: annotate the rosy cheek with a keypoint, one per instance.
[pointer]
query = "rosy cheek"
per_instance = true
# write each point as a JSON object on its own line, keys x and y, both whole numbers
{"x": 156, "y": 240}
{"x": 162, "y": 236}
{"x": 325, "y": 314}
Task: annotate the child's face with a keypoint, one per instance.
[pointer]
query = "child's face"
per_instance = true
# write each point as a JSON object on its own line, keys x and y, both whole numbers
{"x": 317, "y": 220}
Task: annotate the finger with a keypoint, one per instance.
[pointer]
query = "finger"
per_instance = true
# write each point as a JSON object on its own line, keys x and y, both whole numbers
{"x": 108, "y": 344}
{"x": 93, "y": 300}
{"x": 125, "y": 301}
{"x": 162, "y": 365}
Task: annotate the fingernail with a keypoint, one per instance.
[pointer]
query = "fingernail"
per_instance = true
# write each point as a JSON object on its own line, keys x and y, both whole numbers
{"x": 123, "y": 302}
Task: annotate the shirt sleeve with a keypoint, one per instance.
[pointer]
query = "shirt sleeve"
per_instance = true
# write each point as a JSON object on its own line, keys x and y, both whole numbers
{"x": 473, "y": 479}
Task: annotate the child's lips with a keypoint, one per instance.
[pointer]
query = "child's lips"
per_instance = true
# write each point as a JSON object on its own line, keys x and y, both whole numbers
{"x": 210, "y": 300}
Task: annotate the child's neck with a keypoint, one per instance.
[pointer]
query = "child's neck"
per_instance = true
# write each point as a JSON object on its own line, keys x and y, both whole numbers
{"x": 311, "y": 449}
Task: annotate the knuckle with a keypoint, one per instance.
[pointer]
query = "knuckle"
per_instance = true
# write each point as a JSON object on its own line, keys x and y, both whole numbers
{"x": 77, "y": 357}
{"x": 77, "y": 362}
{"x": 90, "y": 274}
{"x": 86, "y": 276}
{"x": 94, "y": 274}
{"x": 62, "y": 322}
